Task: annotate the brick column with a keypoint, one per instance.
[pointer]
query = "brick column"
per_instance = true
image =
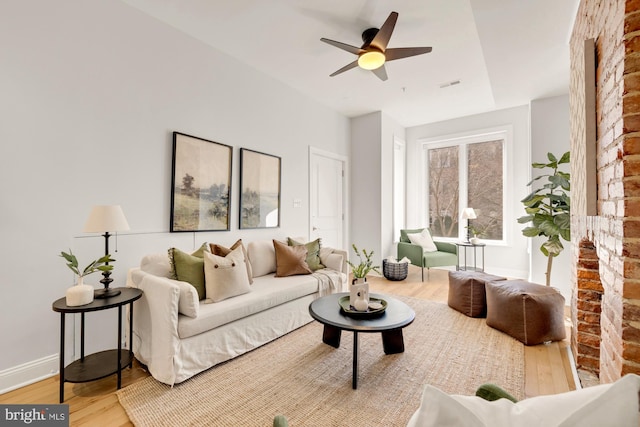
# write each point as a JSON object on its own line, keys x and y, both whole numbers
{"x": 586, "y": 308}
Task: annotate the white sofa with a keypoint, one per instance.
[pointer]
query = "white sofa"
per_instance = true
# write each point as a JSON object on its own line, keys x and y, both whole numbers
{"x": 176, "y": 336}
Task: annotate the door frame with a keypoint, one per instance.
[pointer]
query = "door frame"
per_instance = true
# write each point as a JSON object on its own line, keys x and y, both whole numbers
{"x": 313, "y": 151}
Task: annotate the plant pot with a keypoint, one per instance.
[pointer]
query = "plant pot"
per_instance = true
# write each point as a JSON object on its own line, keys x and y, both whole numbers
{"x": 80, "y": 294}
{"x": 474, "y": 240}
{"x": 359, "y": 289}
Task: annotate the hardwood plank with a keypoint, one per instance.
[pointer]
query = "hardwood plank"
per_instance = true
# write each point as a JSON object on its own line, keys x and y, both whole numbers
{"x": 547, "y": 367}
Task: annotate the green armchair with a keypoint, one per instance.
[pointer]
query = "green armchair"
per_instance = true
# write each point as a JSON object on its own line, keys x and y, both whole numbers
{"x": 447, "y": 253}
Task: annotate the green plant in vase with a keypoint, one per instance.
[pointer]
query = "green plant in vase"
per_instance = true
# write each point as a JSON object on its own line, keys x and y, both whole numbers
{"x": 82, "y": 294}
{"x": 94, "y": 266}
{"x": 365, "y": 266}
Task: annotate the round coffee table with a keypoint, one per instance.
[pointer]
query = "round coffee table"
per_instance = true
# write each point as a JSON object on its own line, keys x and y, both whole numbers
{"x": 326, "y": 310}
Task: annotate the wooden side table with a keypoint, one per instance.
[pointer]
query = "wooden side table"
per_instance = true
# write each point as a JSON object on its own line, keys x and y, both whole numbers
{"x": 104, "y": 363}
{"x": 465, "y": 246}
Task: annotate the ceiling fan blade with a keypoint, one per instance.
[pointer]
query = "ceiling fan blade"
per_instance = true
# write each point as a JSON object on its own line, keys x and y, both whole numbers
{"x": 381, "y": 40}
{"x": 405, "y": 52}
{"x": 381, "y": 72}
{"x": 347, "y": 67}
{"x": 351, "y": 49}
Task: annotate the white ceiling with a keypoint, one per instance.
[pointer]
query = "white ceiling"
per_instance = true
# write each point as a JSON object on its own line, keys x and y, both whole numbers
{"x": 503, "y": 52}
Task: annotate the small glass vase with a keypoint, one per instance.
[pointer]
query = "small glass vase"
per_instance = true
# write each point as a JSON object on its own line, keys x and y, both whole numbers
{"x": 80, "y": 294}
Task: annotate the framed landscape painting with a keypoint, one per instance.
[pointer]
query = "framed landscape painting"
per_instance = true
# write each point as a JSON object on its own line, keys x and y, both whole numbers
{"x": 200, "y": 184}
{"x": 260, "y": 190}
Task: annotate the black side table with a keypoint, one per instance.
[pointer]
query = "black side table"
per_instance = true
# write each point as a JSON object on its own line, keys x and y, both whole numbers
{"x": 104, "y": 363}
{"x": 465, "y": 246}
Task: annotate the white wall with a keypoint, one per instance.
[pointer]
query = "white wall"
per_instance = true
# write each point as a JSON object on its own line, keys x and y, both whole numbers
{"x": 550, "y": 133}
{"x": 91, "y": 92}
{"x": 372, "y": 139}
{"x": 511, "y": 259}
{"x": 365, "y": 195}
{"x": 390, "y": 131}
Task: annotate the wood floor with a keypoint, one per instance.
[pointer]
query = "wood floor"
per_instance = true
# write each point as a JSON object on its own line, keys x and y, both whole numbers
{"x": 547, "y": 367}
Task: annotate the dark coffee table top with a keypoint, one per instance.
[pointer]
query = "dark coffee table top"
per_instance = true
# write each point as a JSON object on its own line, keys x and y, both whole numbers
{"x": 326, "y": 310}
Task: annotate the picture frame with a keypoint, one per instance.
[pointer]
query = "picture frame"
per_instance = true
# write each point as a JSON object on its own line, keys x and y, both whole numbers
{"x": 260, "y": 175}
{"x": 200, "y": 184}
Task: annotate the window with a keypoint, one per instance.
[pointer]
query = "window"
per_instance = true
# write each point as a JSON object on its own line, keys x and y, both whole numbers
{"x": 466, "y": 172}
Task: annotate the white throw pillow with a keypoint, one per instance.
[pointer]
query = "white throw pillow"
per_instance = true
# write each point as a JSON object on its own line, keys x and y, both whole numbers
{"x": 262, "y": 257}
{"x": 225, "y": 277}
{"x": 602, "y": 405}
{"x": 423, "y": 239}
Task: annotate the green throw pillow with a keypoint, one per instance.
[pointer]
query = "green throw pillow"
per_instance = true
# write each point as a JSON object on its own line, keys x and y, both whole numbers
{"x": 313, "y": 252}
{"x": 189, "y": 268}
{"x": 492, "y": 392}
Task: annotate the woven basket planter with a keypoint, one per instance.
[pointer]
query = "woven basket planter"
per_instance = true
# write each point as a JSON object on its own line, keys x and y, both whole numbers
{"x": 395, "y": 270}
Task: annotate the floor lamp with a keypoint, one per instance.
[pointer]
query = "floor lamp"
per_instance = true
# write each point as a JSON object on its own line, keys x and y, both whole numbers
{"x": 106, "y": 219}
{"x": 468, "y": 213}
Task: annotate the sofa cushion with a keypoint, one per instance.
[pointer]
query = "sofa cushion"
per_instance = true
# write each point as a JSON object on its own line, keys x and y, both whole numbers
{"x": 262, "y": 257}
{"x": 226, "y": 276}
{"x": 224, "y": 251}
{"x": 156, "y": 264}
{"x": 313, "y": 252}
{"x": 266, "y": 292}
{"x": 290, "y": 260}
{"x": 423, "y": 239}
{"x": 601, "y": 405}
{"x": 189, "y": 268}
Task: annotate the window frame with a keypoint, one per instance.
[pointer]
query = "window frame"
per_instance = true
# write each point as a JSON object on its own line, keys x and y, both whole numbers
{"x": 504, "y": 133}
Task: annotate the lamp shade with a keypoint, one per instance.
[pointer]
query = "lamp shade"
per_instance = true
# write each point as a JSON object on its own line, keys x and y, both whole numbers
{"x": 469, "y": 213}
{"x": 106, "y": 218}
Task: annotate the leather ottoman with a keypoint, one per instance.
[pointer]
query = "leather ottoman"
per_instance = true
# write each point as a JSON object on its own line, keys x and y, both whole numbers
{"x": 531, "y": 313}
{"x": 467, "y": 292}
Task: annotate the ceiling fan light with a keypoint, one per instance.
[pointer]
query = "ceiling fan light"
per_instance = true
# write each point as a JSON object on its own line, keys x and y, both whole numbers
{"x": 371, "y": 60}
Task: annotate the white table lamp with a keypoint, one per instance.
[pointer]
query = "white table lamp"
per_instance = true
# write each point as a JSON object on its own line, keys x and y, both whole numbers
{"x": 106, "y": 219}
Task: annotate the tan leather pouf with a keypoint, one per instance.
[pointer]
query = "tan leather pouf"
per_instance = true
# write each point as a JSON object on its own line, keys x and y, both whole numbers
{"x": 467, "y": 294}
{"x": 530, "y": 313}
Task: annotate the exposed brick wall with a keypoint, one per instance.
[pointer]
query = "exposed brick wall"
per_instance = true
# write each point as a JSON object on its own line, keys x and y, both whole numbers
{"x": 585, "y": 337}
{"x": 614, "y": 234}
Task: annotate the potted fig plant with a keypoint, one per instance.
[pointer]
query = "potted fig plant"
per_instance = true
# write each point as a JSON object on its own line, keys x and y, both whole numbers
{"x": 82, "y": 294}
{"x": 548, "y": 208}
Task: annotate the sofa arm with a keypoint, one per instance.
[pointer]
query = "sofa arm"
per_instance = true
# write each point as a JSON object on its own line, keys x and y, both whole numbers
{"x": 446, "y": 247}
{"x": 335, "y": 259}
{"x": 155, "y": 324}
{"x": 411, "y": 251}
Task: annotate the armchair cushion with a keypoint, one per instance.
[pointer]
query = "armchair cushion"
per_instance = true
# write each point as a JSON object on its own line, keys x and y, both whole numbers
{"x": 404, "y": 234}
{"x": 423, "y": 239}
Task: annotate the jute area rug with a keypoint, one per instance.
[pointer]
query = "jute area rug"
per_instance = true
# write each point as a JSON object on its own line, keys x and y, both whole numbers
{"x": 310, "y": 382}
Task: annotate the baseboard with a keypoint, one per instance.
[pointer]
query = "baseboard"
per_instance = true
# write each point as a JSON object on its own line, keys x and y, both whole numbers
{"x": 28, "y": 373}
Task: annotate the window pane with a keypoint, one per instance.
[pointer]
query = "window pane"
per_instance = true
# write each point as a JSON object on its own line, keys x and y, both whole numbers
{"x": 485, "y": 187}
{"x": 443, "y": 191}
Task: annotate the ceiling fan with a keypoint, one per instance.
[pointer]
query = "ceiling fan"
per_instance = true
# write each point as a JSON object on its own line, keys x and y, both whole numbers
{"x": 374, "y": 53}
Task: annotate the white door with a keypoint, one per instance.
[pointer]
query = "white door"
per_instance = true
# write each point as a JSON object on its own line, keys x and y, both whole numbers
{"x": 326, "y": 198}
